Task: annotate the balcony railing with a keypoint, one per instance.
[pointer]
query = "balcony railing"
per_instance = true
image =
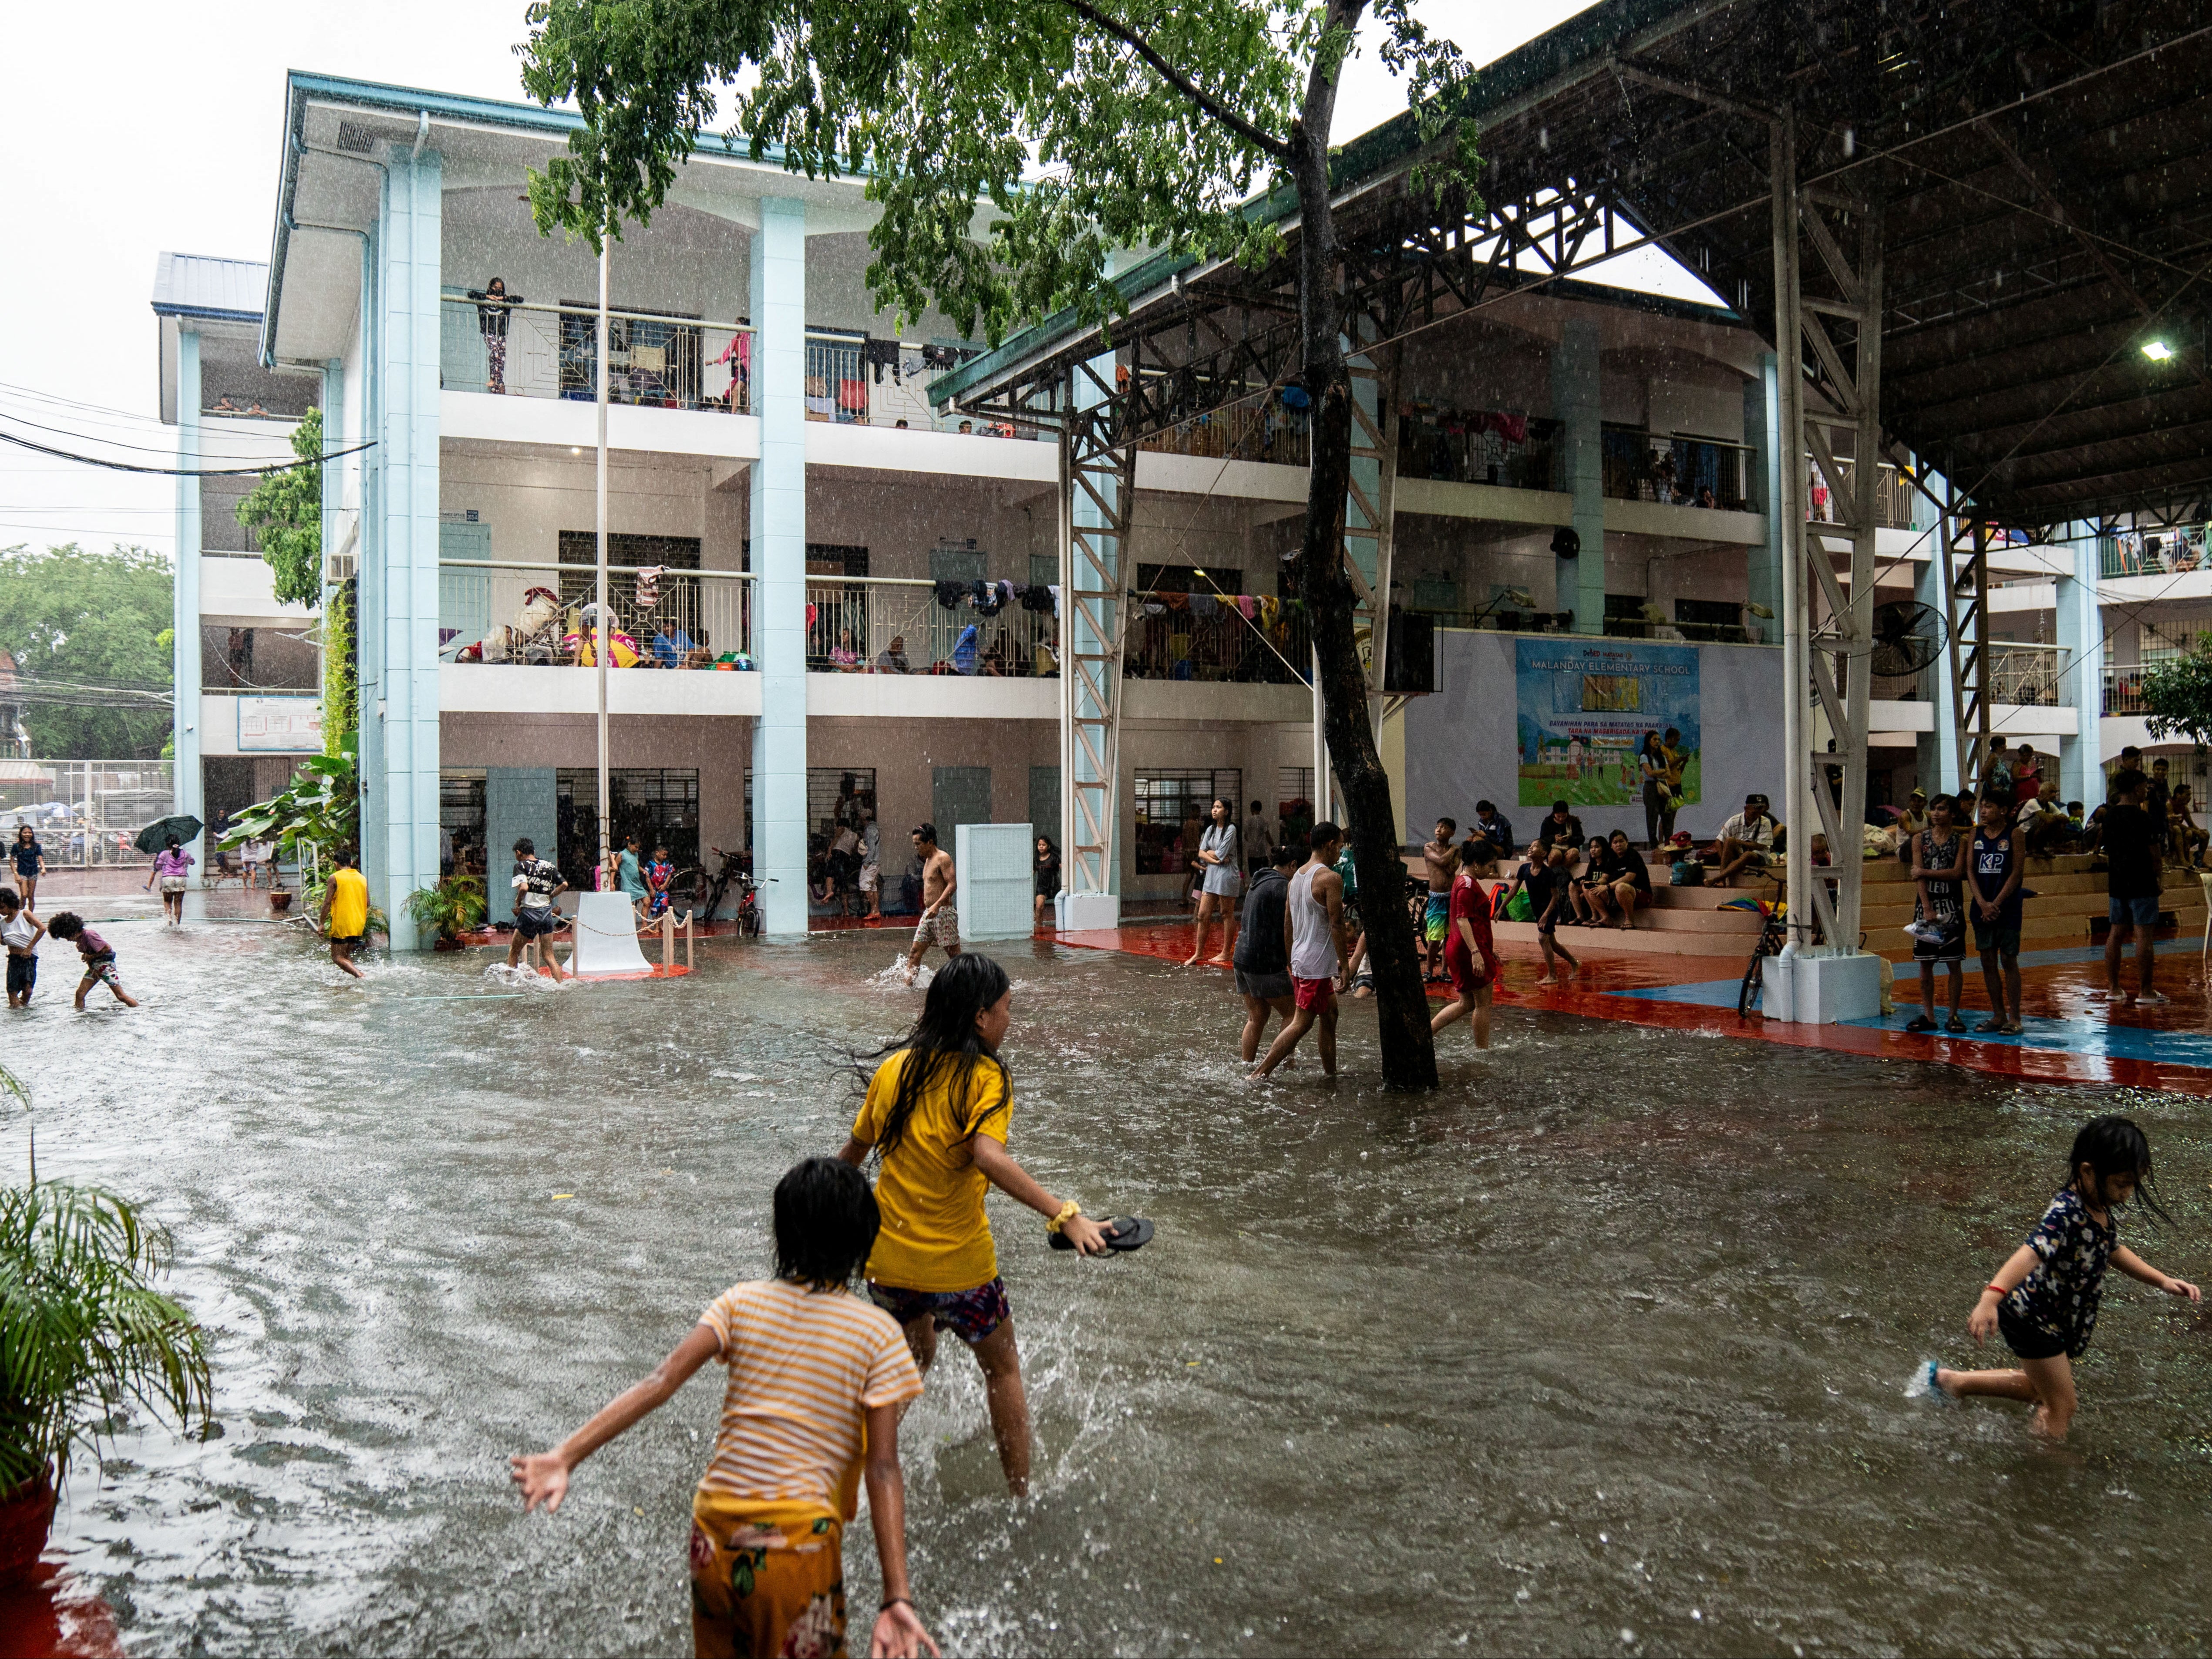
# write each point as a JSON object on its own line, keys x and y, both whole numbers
{"x": 1239, "y": 434}
{"x": 1895, "y": 499}
{"x": 2152, "y": 553}
{"x": 532, "y": 615}
{"x": 1686, "y": 471}
{"x": 524, "y": 349}
{"x": 2123, "y": 691}
{"x": 2029, "y": 675}
{"x": 1919, "y": 687}
{"x": 1483, "y": 446}
{"x": 1237, "y": 639}
{"x": 894, "y": 624}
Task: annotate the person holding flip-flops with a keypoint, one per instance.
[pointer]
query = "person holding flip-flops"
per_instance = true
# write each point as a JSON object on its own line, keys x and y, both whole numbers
{"x": 937, "y": 1112}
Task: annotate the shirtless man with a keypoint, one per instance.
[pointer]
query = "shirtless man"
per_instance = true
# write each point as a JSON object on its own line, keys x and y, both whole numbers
{"x": 940, "y": 918}
{"x": 1443, "y": 860}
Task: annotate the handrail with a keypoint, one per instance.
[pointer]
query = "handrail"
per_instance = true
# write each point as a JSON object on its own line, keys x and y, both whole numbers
{"x": 522, "y": 564}
{"x": 593, "y": 311}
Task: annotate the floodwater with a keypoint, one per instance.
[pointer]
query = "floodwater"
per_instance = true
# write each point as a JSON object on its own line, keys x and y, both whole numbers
{"x": 1601, "y": 1348}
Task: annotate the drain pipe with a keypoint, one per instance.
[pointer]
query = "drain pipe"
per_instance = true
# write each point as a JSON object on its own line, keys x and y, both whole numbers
{"x": 422, "y": 133}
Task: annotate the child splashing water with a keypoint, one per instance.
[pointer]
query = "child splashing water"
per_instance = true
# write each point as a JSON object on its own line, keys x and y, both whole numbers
{"x": 2043, "y": 1299}
{"x": 937, "y": 1114}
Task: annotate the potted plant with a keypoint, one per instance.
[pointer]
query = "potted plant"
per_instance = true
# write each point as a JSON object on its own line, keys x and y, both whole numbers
{"x": 82, "y": 1331}
{"x": 453, "y": 908}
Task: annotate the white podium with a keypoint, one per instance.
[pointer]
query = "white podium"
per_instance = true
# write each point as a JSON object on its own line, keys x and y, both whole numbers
{"x": 606, "y": 940}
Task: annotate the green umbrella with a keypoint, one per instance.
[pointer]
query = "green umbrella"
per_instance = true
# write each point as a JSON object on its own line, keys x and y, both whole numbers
{"x": 184, "y": 827}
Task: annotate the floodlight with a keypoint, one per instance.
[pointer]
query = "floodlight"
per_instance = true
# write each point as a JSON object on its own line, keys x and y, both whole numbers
{"x": 2157, "y": 350}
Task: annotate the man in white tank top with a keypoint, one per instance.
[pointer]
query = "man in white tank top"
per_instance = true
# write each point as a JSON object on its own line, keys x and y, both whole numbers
{"x": 1313, "y": 933}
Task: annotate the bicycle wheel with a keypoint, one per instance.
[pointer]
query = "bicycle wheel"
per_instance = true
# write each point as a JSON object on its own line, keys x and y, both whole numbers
{"x": 1754, "y": 979}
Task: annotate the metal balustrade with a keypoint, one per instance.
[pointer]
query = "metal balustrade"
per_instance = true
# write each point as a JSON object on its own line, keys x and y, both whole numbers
{"x": 699, "y": 619}
{"x": 522, "y": 348}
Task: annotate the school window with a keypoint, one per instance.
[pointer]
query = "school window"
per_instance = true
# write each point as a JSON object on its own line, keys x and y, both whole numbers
{"x": 659, "y": 805}
{"x": 1171, "y": 815}
{"x": 461, "y": 820}
{"x": 836, "y": 797}
{"x": 1294, "y": 803}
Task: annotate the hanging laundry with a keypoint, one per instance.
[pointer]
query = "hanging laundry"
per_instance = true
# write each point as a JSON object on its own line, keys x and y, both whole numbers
{"x": 1055, "y": 590}
{"x": 649, "y": 585}
{"x": 963, "y": 651}
{"x": 950, "y": 595}
{"x": 1203, "y": 605}
{"x": 881, "y": 355}
{"x": 985, "y": 597}
{"x": 1037, "y": 598}
{"x": 1246, "y": 607}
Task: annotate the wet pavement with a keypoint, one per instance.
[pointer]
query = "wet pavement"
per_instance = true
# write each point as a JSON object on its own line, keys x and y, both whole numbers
{"x": 1603, "y": 1347}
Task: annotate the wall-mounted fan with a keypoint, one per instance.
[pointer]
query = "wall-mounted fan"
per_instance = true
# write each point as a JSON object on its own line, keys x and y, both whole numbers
{"x": 1908, "y": 635}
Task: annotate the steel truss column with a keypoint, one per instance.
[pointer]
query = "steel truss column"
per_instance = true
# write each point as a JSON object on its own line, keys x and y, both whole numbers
{"x": 1831, "y": 374}
{"x": 1965, "y": 612}
{"x": 1370, "y": 502}
{"x": 1096, "y": 484}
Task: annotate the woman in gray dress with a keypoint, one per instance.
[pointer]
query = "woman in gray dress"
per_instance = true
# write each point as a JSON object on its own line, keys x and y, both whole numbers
{"x": 1222, "y": 862}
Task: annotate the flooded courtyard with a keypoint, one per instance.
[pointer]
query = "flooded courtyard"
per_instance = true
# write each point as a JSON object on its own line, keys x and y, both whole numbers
{"x": 1603, "y": 1347}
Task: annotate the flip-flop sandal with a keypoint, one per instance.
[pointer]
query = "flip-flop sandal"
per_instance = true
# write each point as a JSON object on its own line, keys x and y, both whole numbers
{"x": 1955, "y": 1023}
{"x": 1123, "y": 1234}
{"x": 1989, "y": 1025}
{"x": 1920, "y": 1022}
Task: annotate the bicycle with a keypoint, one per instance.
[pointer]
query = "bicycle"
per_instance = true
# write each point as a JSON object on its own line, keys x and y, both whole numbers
{"x": 1772, "y": 935}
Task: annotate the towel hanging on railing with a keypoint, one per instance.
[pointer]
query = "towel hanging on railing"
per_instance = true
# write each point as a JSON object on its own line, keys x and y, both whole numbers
{"x": 649, "y": 585}
{"x": 952, "y": 595}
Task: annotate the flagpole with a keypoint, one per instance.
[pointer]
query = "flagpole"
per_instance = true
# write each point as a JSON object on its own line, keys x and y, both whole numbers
{"x": 604, "y": 637}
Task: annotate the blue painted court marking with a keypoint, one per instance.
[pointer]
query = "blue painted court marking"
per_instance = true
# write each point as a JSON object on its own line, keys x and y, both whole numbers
{"x": 1722, "y": 992}
{"x": 2090, "y": 1036}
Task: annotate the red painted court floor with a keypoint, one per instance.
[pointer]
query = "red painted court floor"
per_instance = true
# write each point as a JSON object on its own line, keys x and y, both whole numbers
{"x": 2073, "y": 1033}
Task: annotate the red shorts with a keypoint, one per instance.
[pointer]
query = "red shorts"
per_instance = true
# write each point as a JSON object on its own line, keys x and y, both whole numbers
{"x": 1465, "y": 978}
{"x": 1315, "y": 996}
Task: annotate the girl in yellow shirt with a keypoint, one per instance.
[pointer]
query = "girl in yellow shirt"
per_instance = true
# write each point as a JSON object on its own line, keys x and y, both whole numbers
{"x": 936, "y": 1114}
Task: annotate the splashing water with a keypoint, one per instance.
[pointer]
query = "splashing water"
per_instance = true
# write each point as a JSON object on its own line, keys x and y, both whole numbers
{"x": 1608, "y": 1297}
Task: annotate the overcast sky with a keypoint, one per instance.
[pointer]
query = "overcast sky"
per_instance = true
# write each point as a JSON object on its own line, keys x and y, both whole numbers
{"x": 164, "y": 133}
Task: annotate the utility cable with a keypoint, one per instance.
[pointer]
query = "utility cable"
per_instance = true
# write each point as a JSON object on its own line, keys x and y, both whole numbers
{"x": 187, "y": 471}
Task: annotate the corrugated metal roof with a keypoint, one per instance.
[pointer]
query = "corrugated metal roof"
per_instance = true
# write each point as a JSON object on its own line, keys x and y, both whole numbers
{"x": 196, "y": 285}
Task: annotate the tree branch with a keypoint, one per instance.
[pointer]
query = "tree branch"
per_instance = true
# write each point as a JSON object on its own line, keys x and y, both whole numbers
{"x": 1279, "y": 149}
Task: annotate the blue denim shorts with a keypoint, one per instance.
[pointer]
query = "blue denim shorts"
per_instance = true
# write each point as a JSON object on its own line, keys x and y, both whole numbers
{"x": 2141, "y": 911}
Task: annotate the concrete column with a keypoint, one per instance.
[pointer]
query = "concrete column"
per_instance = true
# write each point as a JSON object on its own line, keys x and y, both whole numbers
{"x": 2082, "y": 636}
{"x": 399, "y": 610}
{"x": 1575, "y": 404}
{"x": 1936, "y": 754}
{"x": 1762, "y": 431}
{"x": 189, "y": 793}
{"x": 779, "y": 554}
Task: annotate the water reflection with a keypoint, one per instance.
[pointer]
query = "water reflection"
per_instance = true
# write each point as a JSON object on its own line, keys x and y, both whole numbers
{"x": 1611, "y": 1336}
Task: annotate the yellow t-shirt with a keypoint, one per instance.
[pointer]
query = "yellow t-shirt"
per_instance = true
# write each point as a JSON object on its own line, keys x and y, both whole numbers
{"x": 349, "y": 903}
{"x": 934, "y": 1236}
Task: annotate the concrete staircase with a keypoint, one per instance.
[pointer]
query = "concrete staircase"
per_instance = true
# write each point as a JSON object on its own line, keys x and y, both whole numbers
{"x": 1679, "y": 921}
{"x": 2067, "y": 911}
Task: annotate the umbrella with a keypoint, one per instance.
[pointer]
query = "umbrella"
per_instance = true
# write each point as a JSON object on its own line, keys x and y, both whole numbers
{"x": 184, "y": 827}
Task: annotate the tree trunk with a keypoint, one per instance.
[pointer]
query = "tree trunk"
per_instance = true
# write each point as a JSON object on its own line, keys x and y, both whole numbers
{"x": 1401, "y": 1003}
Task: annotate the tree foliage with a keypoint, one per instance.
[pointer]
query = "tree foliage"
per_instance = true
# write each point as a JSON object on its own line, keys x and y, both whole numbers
{"x": 284, "y": 512}
{"x": 99, "y": 620}
{"x": 1016, "y": 149}
{"x": 2176, "y": 695}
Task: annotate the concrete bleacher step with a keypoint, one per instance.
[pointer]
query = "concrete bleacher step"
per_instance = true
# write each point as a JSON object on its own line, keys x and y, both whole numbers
{"x": 1638, "y": 941}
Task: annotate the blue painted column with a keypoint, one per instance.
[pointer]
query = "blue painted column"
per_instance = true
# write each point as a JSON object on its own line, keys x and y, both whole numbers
{"x": 1762, "y": 432}
{"x": 779, "y": 553}
{"x": 1935, "y": 760}
{"x": 1576, "y": 405}
{"x": 400, "y": 608}
{"x": 189, "y": 789}
{"x": 2081, "y": 633}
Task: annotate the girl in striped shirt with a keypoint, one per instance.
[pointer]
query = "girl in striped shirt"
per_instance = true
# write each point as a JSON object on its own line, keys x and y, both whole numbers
{"x": 811, "y": 1367}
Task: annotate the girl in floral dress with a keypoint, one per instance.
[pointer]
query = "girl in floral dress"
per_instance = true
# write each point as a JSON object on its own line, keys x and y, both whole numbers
{"x": 2044, "y": 1300}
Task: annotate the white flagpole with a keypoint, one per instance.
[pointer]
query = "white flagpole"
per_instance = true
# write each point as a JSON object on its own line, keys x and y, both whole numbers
{"x": 603, "y": 638}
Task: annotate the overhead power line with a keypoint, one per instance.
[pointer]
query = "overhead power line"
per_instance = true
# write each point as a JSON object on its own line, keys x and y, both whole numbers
{"x": 186, "y": 471}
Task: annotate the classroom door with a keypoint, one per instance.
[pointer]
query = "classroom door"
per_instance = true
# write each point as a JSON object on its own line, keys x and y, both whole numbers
{"x": 1045, "y": 802}
{"x": 958, "y": 795}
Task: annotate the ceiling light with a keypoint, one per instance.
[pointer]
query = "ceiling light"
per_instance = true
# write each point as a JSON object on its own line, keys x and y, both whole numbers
{"x": 2157, "y": 350}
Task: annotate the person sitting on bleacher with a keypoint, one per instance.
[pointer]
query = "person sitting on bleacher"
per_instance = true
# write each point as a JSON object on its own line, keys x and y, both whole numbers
{"x": 2044, "y": 826}
{"x": 1745, "y": 840}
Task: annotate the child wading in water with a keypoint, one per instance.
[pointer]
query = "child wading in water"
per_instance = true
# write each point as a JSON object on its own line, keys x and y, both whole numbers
{"x": 937, "y": 1112}
{"x": 98, "y": 957}
{"x": 20, "y": 932}
{"x": 2043, "y": 1299}
{"x": 813, "y": 1369}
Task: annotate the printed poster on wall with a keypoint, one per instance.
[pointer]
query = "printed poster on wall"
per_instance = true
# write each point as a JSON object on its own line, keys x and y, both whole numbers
{"x": 1583, "y": 710}
{"x": 286, "y": 725}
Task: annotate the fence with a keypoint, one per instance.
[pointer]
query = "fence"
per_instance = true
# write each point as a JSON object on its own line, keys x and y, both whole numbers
{"x": 528, "y": 350}
{"x": 2123, "y": 691}
{"x": 2153, "y": 552}
{"x": 2032, "y": 675}
{"x": 1265, "y": 434}
{"x": 699, "y": 618}
{"x": 86, "y": 813}
{"x": 851, "y": 624}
